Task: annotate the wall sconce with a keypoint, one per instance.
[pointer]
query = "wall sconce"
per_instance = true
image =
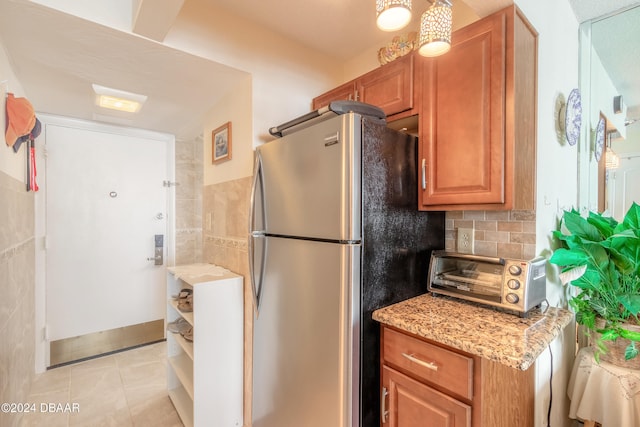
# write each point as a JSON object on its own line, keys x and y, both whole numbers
{"x": 393, "y": 15}
{"x": 435, "y": 29}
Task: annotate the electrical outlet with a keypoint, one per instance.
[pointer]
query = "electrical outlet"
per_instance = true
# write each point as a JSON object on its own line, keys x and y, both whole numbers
{"x": 465, "y": 240}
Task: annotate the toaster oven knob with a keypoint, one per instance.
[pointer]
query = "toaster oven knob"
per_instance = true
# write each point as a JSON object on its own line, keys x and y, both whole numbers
{"x": 512, "y": 298}
{"x": 515, "y": 270}
{"x": 513, "y": 284}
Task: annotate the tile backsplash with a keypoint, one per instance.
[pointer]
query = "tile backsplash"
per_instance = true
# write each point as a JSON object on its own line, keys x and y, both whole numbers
{"x": 506, "y": 234}
{"x": 189, "y": 173}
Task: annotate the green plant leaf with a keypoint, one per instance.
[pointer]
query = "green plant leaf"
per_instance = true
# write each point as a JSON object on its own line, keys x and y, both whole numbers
{"x": 569, "y": 257}
{"x": 590, "y": 280}
{"x": 624, "y": 262}
{"x": 609, "y": 334}
{"x": 605, "y": 225}
{"x": 631, "y": 351}
{"x": 631, "y": 302}
{"x": 630, "y": 335}
{"x": 579, "y": 226}
{"x": 597, "y": 255}
{"x": 631, "y": 219}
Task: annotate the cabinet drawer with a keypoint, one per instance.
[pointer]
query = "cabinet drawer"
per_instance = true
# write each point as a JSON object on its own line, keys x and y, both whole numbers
{"x": 446, "y": 369}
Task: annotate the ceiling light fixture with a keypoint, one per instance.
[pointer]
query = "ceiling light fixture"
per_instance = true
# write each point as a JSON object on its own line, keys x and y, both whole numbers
{"x": 435, "y": 23}
{"x": 393, "y": 15}
{"x": 435, "y": 29}
{"x": 120, "y": 100}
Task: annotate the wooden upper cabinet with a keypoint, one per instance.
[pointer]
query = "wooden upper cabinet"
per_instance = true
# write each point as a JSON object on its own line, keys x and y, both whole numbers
{"x": 477, "y": 118}
{"x": 344, "y": 92}
{"x": 389, "y": 87}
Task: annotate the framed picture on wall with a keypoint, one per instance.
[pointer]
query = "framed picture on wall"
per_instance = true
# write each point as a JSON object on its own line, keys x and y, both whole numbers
{"x": 221, "y": 143}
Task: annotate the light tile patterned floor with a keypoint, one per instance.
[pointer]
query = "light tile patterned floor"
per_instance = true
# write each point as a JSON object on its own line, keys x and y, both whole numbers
{"x": 127, "y": 389}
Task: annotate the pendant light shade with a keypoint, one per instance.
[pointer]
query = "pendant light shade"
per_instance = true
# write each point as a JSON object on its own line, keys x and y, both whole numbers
{"x": 393, "y": 15}
{"x": 435, "y": 29}
{"x": 612, "y": 161}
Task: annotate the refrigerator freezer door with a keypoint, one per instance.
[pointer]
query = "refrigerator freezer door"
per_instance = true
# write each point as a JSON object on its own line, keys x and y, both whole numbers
{"x": 305, "y": 336}
{"x": 312, "y": 181}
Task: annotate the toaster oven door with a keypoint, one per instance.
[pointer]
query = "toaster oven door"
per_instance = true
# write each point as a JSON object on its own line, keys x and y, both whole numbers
{"x": 473, "y": 277}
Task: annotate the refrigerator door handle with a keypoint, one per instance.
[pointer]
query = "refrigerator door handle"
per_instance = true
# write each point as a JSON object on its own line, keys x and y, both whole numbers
{"x": 258, "y": 185}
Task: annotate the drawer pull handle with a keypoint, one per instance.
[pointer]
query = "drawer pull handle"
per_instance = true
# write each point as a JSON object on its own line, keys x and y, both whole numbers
{"x": 383, "y": 407}
{"x": 428, "y": 365}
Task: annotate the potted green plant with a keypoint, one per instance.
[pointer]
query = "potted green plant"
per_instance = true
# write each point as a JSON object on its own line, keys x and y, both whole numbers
{"x": 601, "y": 258}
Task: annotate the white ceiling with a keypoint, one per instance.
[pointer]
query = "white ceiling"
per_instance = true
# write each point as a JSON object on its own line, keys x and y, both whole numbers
{"x": 616, "y": 37}
{"x": 73, "y": 53}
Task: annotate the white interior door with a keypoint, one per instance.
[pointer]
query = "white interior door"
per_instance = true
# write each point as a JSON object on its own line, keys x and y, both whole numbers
{"x": 105, "y": 202}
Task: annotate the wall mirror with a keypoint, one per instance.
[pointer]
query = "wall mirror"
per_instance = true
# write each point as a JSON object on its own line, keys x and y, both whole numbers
{"x": 610, "y": 88}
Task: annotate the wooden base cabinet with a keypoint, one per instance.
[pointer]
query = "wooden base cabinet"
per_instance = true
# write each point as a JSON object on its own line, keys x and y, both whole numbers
{"x": 477, "y": 117}
{"x": 425, "y": 384}
{"x": 205, "y": 373}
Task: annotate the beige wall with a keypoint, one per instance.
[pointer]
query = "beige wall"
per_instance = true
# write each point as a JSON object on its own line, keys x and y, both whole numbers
{"x": 17, "y": 286}
{"x": 17, "y": 265}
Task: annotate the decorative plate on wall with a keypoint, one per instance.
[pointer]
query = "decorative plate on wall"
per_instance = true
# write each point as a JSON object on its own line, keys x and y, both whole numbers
{"x": 573, "y": 117}
{"x": 598, "y": 148}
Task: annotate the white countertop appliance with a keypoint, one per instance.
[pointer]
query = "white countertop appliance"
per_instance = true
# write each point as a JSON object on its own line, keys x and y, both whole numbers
{"x": 335, "y": 234}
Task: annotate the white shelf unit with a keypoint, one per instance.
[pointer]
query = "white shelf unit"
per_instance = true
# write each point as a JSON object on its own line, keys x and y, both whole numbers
{"x": 205, "y": 377}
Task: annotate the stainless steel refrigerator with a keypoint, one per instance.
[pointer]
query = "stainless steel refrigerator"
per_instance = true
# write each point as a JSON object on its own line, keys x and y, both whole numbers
{"x": 335, "y": 233}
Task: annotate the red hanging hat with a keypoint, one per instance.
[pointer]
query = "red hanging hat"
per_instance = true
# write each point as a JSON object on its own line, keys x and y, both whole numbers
{"x": 21, "y": 118}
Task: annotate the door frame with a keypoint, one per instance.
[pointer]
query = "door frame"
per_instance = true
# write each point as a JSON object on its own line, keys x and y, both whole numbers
{"x": 41, "y": 336}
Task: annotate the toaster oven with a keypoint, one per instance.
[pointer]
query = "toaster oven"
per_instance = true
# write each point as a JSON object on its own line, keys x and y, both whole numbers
{"x": 511, "y": 284}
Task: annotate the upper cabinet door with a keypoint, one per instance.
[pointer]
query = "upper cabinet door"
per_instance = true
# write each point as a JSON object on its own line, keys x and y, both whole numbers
{"x": 345, "y": 92}
{"x": 389, "y": 87}
{"x": 477, "y": 123}
{"x": 462, "y": 118}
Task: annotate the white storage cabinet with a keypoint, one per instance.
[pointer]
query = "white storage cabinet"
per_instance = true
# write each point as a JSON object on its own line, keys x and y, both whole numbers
{"x": 204, "y": 377}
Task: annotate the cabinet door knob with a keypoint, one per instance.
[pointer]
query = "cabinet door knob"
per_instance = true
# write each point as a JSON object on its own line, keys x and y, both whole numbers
{"x": 428, "y": 365}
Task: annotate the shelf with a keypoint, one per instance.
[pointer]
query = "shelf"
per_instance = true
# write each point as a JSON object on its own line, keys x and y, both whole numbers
{"x": 188, "y": 316}
{"x": 183, "y": 368}
{"x": 183, "y": 404}
{"x": 208, "y": 386}
{"x": 185, "y": 345}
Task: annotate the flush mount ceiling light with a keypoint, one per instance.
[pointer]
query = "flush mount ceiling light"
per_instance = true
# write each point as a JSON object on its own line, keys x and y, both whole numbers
{"x": 120, "y": 100}
{"x": 435, "y": 29}
{"x": 393, "y": 15}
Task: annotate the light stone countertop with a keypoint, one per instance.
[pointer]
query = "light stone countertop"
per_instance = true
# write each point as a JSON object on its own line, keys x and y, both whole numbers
{"x": 486, "y": 332}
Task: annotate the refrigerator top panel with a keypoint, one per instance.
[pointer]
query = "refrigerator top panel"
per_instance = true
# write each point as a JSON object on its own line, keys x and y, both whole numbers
{"x": 333, "y": 109}
{"x": 311, "y": 181}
